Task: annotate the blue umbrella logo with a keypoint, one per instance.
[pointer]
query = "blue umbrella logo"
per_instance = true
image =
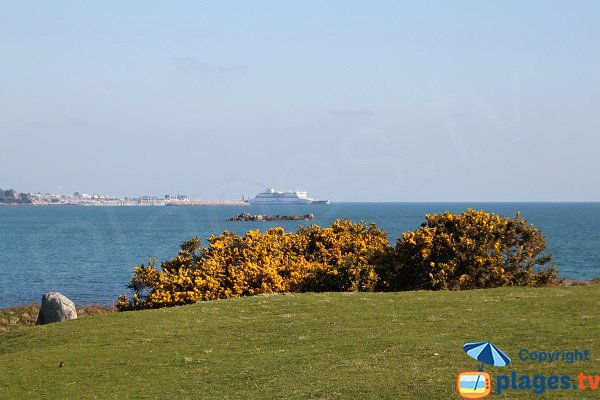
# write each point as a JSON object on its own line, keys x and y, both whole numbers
{"x": 486, "y": 353}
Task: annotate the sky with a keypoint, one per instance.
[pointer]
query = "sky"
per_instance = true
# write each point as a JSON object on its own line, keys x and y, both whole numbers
{"x": 351, "y": 101}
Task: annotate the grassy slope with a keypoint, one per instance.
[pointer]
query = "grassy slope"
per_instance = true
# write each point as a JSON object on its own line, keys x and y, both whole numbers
{"x": 342, "y": 345}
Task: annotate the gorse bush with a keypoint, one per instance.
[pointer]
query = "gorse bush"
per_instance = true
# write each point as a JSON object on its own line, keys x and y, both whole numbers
{"x": 468, "y": 251}
{"x": 343, "y": 257}
{"x": 465, "y": 251}
{"x": 337, "y": 258}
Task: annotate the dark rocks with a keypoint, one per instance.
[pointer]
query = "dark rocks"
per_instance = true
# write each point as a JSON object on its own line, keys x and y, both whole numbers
{"x": 55, "y": 308}
{"x": 259, "y": 217}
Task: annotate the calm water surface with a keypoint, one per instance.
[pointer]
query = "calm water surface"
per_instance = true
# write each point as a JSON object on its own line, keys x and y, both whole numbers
{"x": 88, "y": 253}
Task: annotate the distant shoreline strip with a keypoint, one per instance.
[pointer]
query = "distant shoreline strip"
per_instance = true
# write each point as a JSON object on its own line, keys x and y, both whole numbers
{"x": 136, "y": 204}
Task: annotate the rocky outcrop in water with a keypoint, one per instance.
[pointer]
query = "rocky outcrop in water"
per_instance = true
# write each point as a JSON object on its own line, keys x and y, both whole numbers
{"x": 259, "y": 217}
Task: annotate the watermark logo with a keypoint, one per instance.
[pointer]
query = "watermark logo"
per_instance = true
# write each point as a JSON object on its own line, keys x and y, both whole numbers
{"x": 473, "y": 385}
{"x": 477, "y": 385}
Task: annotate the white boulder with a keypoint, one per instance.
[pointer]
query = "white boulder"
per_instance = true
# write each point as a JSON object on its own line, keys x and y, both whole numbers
{"x": 55, "y": 308}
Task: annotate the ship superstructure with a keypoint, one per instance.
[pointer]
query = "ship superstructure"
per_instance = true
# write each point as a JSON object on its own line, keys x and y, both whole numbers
{"x": 271, "y": 196}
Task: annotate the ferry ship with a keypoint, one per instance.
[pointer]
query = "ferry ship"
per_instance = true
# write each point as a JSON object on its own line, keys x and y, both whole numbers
{"x": 271, "y": 196}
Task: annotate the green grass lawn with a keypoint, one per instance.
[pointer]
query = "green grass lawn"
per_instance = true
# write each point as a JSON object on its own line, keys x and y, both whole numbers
{"x": 298, "y": 346}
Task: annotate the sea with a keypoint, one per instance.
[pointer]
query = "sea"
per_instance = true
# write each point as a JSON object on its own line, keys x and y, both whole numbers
{"x": 88, "y": 253}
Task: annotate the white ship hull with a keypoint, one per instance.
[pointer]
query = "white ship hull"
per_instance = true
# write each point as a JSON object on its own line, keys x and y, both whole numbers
{"x": 272, "y": 197}
{"x": 280, "y": 201}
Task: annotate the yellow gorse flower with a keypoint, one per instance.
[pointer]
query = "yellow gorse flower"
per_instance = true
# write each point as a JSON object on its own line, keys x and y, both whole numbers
{"x": 464, "y": 251}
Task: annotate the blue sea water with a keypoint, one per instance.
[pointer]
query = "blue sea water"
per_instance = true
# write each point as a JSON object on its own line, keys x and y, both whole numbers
{"x": 88, "y": 253}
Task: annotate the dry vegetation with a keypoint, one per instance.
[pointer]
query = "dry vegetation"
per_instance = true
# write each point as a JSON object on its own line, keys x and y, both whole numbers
{"x": 16, "y": 317}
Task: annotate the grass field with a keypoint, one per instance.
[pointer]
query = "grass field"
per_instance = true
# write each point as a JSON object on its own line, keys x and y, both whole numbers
{"x": 299, "y": 346}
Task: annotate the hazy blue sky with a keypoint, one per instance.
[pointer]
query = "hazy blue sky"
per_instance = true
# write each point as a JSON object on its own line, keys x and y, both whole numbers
{"x": 352, "y": 101}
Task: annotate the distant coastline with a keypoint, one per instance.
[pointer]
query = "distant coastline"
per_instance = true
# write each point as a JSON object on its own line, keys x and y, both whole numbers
{"x": 12, "y": 198}
{"x": 190, "y": 203}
